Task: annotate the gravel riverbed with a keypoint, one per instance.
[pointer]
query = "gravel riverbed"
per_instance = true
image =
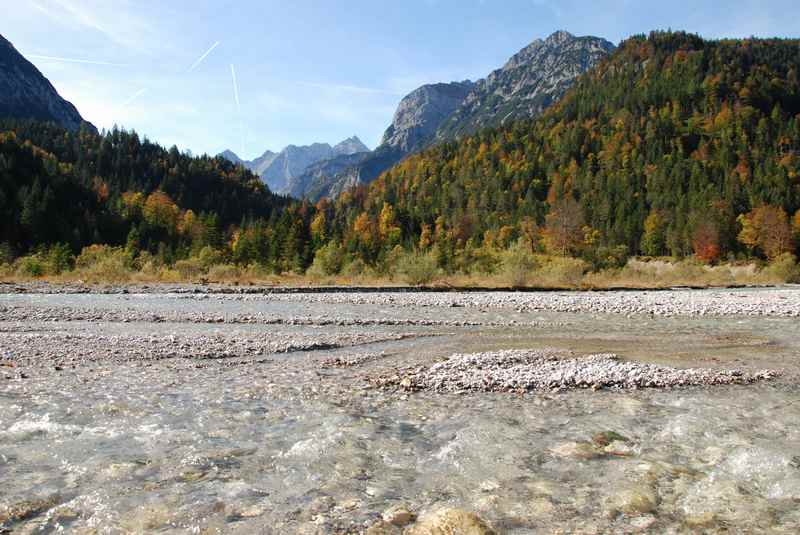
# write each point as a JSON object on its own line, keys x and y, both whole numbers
{"x": 177, "y": 409}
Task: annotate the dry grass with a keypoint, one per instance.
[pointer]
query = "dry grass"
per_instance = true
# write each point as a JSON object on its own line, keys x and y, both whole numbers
{"x": 112, "y": 266}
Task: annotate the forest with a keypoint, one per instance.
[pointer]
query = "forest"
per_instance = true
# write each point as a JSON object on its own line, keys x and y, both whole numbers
{"x": 675, "y": 146}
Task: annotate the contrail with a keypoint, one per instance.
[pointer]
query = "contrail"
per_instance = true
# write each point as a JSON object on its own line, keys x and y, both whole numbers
{"x": 235, "y": 89}
{"x": 134, "y": 97}
{"x": 73, "y": 60}
{"x": 238, "y": 106}
{"x": 201, "y": 58}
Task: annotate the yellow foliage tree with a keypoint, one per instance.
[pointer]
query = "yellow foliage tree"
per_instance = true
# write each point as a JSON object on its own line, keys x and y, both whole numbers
{"x": 160, "y": 211}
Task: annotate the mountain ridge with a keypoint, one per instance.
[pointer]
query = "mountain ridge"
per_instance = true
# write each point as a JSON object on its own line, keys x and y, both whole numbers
{"x": 25, "y": 93}
{"x": 531, "y": 80}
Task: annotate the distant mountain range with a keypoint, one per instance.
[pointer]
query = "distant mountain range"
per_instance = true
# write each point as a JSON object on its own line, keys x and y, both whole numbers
{"x": 529, "y": 82}
{"x": 25, "y": 93}
{"x": 281, "y": 170}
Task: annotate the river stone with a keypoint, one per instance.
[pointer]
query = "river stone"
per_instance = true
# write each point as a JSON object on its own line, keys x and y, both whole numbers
{"x": 577, "y": 450}
{"x": 398, "y": 516}
{"x": 383, "y": 528}
{"x": 634, "y": 501}
{"x": 450, "y": 522}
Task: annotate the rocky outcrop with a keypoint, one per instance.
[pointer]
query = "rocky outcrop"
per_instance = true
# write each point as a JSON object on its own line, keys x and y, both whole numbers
{"x": 529, "y": 82}
{"x": 421, "y": 112}
{"x": 25, "y": 93}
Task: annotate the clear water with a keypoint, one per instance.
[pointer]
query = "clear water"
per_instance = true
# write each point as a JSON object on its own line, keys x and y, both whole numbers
{"x": 288, "y": 446}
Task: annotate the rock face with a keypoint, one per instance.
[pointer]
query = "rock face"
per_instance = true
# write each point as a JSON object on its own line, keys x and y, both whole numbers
{"x": 421, "y": 112}
{"x": 281, "y": 170}
{"x": 529, "y": 82}
{"x": 26, "y": 94}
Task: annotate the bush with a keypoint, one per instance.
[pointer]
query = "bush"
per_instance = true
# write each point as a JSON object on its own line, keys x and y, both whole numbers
{"x": 208, "y": 256}
{"x": 562, "y": 271}
{"x": 418, "y": 269}
{"x": 224, "y": 272}
{"x": 190, "y": 268}
{"x": 518, "y": 265}
{"x": 102, "y": 263}
{"x": 355, "y": 268}
{"x": 30, "y": 266}
{"x": 328, "y": 260}
{"x": 600, "y": 258}
{"x": 783, "y": 269}
{"x": 59, "y": 259}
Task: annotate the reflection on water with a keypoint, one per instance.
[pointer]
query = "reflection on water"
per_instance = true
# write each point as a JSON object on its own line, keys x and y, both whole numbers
{"x": 289, "y": 446}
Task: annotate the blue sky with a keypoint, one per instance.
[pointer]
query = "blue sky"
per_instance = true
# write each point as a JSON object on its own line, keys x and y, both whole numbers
{"x": 312, "y": 70}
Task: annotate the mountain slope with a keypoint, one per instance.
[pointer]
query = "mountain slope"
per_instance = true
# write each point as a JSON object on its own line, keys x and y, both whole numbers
{"x": 26, "y": 94}
{"x": 661, "y": 149}
{"x": 61, "y": 186}
{"x": 529, "y": 82}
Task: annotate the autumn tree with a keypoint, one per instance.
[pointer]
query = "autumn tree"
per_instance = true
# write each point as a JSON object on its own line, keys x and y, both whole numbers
{"x": 705, "y": 242}
{"x": 563, "y": 232}
{"x": 767, "y": 229}
{"x": 160, "y": 211}
{"x": 654, "y": 239}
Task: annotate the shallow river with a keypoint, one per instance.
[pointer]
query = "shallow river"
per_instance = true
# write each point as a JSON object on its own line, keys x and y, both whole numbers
{"x": 288, "y": 443}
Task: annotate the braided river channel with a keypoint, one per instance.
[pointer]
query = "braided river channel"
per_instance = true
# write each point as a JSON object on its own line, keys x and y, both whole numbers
{"x": 193, "y": 410}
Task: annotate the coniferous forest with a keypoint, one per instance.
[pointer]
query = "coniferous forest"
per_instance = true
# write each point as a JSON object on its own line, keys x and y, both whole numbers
{"x": 674, "y": 146}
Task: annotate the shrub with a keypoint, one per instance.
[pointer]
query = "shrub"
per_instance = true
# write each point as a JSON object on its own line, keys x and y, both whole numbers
{"x": 208, "y": 256}
{"x": 354, "y": 268}
{"x": 518, "y": 265}
{"x": 783, "y": 269}
{"x": 328, "y": 259}
{"x": 190, "y": 268}
{"x": 224, "y": 272}
{"x": 59, "y": 259}
{"x": 30, "y": 266}
{"x": 562, "y": 271}
{"x": 104, "y": 263}
{"x": 418, "y": 269}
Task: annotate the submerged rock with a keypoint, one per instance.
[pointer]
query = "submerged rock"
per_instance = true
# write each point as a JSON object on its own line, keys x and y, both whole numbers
{"x": 398, "y": 516}
{"x": 450, "y": 522}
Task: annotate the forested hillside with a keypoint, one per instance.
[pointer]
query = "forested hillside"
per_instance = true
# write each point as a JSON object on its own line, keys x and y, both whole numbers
{"x": 672, "y": 146}
{"x": 81, "y": 188}
{"x": 675, "y": 145}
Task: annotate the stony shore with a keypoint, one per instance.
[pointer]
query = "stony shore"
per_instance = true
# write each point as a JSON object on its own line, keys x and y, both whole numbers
{"x": 773, "y": 302}
{"x": 551, "y": 369}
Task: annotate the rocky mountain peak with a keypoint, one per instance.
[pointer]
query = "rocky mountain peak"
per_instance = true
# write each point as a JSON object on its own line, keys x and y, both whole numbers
{"x": 25, "y": 93}
{"x": 421, "y": 112}
{"x": 351, "y": 145}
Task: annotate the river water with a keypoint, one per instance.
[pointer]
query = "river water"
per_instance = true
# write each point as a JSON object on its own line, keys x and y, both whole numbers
{"x": 287, "y": 443}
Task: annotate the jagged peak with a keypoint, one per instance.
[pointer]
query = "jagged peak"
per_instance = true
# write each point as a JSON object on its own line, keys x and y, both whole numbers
{"x": 559, "y": 36}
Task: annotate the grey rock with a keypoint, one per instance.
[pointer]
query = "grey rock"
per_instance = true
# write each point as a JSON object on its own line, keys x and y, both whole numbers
{"x": 25, "y": 93}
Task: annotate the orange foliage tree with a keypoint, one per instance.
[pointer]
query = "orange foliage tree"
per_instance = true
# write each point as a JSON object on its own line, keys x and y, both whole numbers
{"x": 766, "y": 228}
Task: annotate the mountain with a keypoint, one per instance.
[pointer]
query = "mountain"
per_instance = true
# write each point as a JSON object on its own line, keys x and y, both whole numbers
{"x": 673, "y": 145}
{"x": 26, "y": 94}
{"x": 528, "y": 83}
{"x": 280, "y": 170}
{"x": 351, "y": 145}
{"x": 421, "y": 112}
